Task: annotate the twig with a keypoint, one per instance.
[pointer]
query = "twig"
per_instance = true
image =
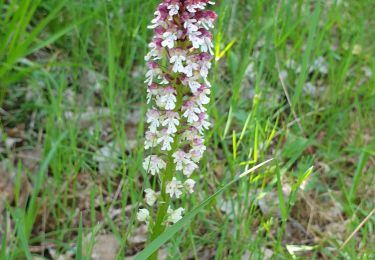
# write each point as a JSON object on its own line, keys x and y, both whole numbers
{"x": 297, "y": 120}
{"x": 357, "y": 228}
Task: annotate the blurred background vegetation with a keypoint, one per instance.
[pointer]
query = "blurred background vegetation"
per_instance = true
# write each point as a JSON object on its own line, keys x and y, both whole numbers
{"x": 292, "y": 80}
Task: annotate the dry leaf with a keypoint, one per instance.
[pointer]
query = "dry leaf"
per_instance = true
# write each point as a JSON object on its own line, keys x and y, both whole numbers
{"x": 139, "y": 236}
{"x": 106, "y": 158}
{"x": 56, "y": 256}
{"x": 30, "y": 158}
{"x": 106, "y": 248}
{"x": 338, "y": 230}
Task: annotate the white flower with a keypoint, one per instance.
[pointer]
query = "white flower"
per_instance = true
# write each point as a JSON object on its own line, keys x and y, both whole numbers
{"x": 193, "y": 83}
{"x": 153, "y": 118}
{"x": 202, "y": 96}
{"x": 180, "y": 159}
{"x": 150, "y": 76}
{"x": 191, "y": 111}
{"x": 173, "y": 9}
{"x": 157, "y": 21}
{"x": 153, "y": 72}
{"x": 153, "y": 164}
{"x": 173, "y": 188}
{"x": 164, "y": 81}
{"x": 154, "y": 52}
{"x": 174, "y": 215}
{"x": 183, "y": 162}
{"x": 196, "y": 39}
{"x": 319, "y": 64}
{"x": 367, "y": 71}
{"x": 191, "y": 65}
{"x": 311, "y": 89}
{"x": 189, "y": 185}
{"x": 196, "y": 155}
{"x": 150, "y": 197}
{"x": 207, "y": 82}
{"x": 190, "y": 25}
{"x": 192, "y": 8}
{"x": 205, "y": 67}
{"x": 190, "y": 134}
{"x": 167, "y": 99}
{"x": 197, "y": 150}
{"x": 169, "y": 38}
{"x": 207, "y": 45}
{"x": 189, "y": 168}
{"x": 166, "y": 139}
{"x": 201, "y": 124}
{"x": 143, "y": 215}
{"x": 292, "y": 65}
{"x": 171, "y": 121}
{"x": 206, "y": 23}
{"x": 150, "y": 140}
{"x": 152, "y": 90}
{"x": 177, "y": 58}
{"x": 152, "y": 25}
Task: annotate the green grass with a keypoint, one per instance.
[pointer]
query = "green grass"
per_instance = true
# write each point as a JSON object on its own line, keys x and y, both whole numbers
{"x": 63, "y": 62}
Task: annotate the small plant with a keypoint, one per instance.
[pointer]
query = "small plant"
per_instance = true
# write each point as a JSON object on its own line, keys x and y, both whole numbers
{"x": 178, "y": 91}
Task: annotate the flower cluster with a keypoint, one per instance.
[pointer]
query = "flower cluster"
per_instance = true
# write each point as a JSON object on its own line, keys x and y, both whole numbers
{"x": 178, "y": 91}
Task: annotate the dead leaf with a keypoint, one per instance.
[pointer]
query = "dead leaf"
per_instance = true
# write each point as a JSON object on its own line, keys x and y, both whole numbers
{"x": 106, "y": 158}
{"x": 139, "y": 236}
{"x": 336, "y": 230}
{"x": 56, "y": 256}
{"x": 30, "y": 158}
{"x": 106, "y": 248}
{"x": 268, "y": 203}
{"x": 11, "y": 142}
{"x": 87, "y": 118}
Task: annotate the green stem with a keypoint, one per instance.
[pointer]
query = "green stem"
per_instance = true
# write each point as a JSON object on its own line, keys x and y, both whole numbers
{"x": 159, "y": 225}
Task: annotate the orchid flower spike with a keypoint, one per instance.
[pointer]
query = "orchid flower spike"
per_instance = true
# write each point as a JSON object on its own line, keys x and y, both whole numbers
{"x": 178, "y": 90}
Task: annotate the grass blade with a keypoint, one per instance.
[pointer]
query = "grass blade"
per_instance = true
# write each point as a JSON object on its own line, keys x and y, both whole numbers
{"x": 170, "y": 232}
{"x": 32, "y": 209}
{"x": 79, "y": 240}
{"x": 20, "y": 220}
{"x": 357, "y": 175}
{"x": 280, "y": 194}
{"x": 4, "y": 239}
